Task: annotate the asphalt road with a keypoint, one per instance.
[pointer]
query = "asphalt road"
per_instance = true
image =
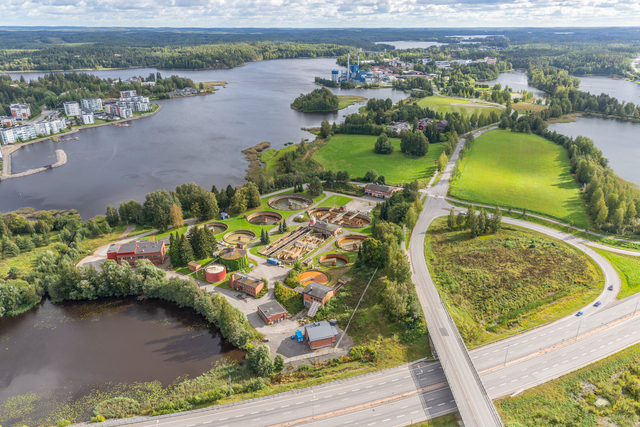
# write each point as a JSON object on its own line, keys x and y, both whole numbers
{"x": 474, "y": 404}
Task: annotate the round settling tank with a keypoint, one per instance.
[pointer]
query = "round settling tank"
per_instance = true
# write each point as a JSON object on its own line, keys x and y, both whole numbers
{"x": 217, "y": 227}
{"x": 264, "y": 218}
{"x": 215, "y": 273}
{"x": 334, "y": 260}
{"x": 290, "y": 202}
{"x": 351, "y": 243}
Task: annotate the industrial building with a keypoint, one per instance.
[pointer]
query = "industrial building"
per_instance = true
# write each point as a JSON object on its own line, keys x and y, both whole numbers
{"x": 138, "y": 249}
{"x": 245, "y": 283}
{"x": 353, "y": 73}
{"x": 382, "y": 191}
{"x": 320, "y": 334}
{"x": 272, "y": 312}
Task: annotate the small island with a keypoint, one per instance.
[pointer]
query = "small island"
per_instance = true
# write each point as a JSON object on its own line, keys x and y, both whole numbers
{"x": 323, "y": 100}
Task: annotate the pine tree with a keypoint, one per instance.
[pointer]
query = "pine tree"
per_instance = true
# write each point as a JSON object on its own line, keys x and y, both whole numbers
{"x": 174, "y": 250}
{"x": 496, "y": 220}
{"x": 197, "y": 241}
{"x": 186, "y": 252}
{"x": 471, "y": 217}
{"x": 483, "y": 222}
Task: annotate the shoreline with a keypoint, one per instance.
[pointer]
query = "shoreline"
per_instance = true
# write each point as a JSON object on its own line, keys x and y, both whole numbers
{"x": 8, "y": 150}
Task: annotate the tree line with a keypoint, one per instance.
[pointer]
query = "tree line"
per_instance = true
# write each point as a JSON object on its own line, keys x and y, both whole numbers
{"x": 317, "y": 100}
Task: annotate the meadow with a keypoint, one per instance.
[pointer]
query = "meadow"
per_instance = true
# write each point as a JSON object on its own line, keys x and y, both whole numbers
{"x": 355, "y": 153}
{"x": 501, "y": 284}
{"x": 443, "y": 104}
{"x": 628, "y": 267}
{"x": 521, "y": 171}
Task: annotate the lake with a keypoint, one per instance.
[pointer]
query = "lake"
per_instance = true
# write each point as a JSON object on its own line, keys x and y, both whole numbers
{"x": 516, "y": 80}
{"x": 195, "y": 139}
{"x": 412, "y": 44}
{"x": 618, "y": 140}
{"x": 623, "y": 90}
{"x": 64, "y": 357}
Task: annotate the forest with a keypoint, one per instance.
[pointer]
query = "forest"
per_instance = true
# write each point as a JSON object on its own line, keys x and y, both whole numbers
{"x": 318, "y": 100}
{"x": 54, "y": 89}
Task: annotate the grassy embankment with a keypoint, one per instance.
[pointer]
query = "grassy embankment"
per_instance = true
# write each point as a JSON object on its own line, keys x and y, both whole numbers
{"x": 628, "y": 267}
{"x": 335, "y": 201}
{"x": 502, "y": 284}
{"x": 444, "y": 104}
{"x": 527, "y": 107}
{"x": 345, "y": 101}
{"x": 443, "y": 421}
{"x": 355, "y": 153}
{"x": 520, "y": 171}
{"x": 604, "y": 393}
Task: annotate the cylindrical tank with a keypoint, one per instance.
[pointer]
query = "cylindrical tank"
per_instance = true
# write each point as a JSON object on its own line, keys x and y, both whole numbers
{"x": 215, "y": 273}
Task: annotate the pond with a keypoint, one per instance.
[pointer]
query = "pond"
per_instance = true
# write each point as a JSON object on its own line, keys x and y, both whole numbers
{"x": 195, "y": 139}
{"x": 65, "y": 358}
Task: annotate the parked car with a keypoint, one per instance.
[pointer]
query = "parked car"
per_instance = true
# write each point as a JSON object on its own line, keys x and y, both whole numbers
{"x": 597, "y": 304}
{"x": 579, "y": 313}
{"x": 610, "y": 288}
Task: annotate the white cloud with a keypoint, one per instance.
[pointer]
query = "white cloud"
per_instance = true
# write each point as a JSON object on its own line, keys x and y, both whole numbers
{"x": 315, "y": 13}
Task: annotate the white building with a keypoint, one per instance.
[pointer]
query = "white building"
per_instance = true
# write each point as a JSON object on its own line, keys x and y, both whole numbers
{"x": 7, "y": 121}
{"x": 127, "y": 93}
{"x": 135, "y": 103}
{"x": 71, "y": 109}
{"x": 93, "y": 104}
{"x": 87, "y": 117}
{"x": 118, "y": 110}
{"x": 26, "y": 132}
{"x": 20, "y": 111}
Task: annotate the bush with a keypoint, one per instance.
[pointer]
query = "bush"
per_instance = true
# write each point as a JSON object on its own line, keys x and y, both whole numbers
{"x": 98, "y": 419}
{"x": 290, "y": 299}
{"x": 117, "y": 407}
{"x": 264, "y": 290}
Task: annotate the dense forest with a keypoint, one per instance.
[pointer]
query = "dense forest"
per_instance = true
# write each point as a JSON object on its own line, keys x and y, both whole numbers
{"x": 56, "y": 88}
{"x": 318, "y": 100}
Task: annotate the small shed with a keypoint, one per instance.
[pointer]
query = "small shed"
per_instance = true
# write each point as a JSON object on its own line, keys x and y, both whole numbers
{"x": 194, "y": 265}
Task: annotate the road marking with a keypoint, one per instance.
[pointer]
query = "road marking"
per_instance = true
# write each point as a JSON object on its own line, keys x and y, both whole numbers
{"x": 431, "y": 370}
{"x": 555, "y": 365}
{"x": 502, "y": 384}
{"x": 299, "y": 403}
{"x": 415, "y": 412}
{"x": 371, "y": 424}
{"x": 253, "y": 413}
{"x": 400, "y": 416}
{"x": 525, "y": 376}
{"x": 489, "y": 389}
{"x": 222, "y": 419}
{"x": 339, "y": 394}
{"x": 523, "y": 369}
{"x": 545, "y": 369}
{"x": 238, "y": 416}
{"x": 326, "y": 397}
{"x": 429, "y": 400}
{"x": 386, "y": 420}
{"x": 346, "y": 398}
{"x": 394, "y": 380}
{"x": 285, "y": 413}
{"x": 285, "y": 406}
{"x": 441, "y": 404}
{"x": 190, "y": 425}
{"x": 408, "y": 376}
{"x": 382, "y": 383}
{"x": 271, "y": 409}
{"x": 377, "y": 415}
{"x": 513, "y": 381}
{"x": 357, "y": 389}
{"x": 371, "y": 392}
{"x": 535, "y": 373}
{"x": 369, "y": 386}
{"x": 503, "y": 377}
{"x": 255, "y": 419}
{"x": 206, "y": 422}
{"x": 404, "y": 407}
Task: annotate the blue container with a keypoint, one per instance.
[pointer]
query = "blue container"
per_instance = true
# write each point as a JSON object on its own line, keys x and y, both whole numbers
{"x": 273, "y": 261}
{"x": 299, "y": 335}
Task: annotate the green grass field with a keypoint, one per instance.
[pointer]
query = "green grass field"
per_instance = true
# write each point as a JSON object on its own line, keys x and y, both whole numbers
{"x": 345, "y": 101}
{"x": 501, "y": 284}
{"x": 355, "y": 153}
{"x": 445, "y": 105}
{"x": 628, "y": 267}
{"x": 571, "y": 399}
{"x": 522, "y": 171}
{"x": 336, "y": 201}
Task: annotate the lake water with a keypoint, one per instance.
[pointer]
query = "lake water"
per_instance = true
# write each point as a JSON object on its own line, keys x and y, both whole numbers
{"x": 516, "y": 80}
{"x": 412, "y": 44}
{"x": 195, "y": 139}
{"x": 65, "y": 355}
{"x": 617, "y": 139}
{"x": 623, "y": 90}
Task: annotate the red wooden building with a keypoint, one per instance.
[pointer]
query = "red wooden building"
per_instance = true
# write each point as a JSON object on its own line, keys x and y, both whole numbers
{"x": 138, "y": 249}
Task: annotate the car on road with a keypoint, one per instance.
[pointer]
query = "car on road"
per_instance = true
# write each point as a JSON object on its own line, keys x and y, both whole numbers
{"x": 579, "y": 313}
{"x": 610, "y": 288}
{"x": 597, "y": 304}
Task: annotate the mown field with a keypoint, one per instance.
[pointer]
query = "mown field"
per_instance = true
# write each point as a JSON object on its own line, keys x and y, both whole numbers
{"x": 520, "y": 171}
{"x": 571, "y": 399}
{"x": 445, "y": 105}
{"x": 628, "y": 267}
{"x": 502, "y": 284}
{"x": 355, "y": 153}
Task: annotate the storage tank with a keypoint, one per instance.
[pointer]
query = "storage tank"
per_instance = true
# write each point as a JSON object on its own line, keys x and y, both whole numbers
{"x": 215, "y": 273}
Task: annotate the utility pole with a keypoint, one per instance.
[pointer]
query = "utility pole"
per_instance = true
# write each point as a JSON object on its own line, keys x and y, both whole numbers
{"x": 230, "y": 388}
{"x": 634, "y": 311}
{"x": 578, "y": 328}
{"x": 505, "y": 356}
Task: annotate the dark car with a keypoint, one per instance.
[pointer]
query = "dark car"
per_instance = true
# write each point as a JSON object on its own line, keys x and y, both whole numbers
{"x": 597, "y": 304}
{"x": 610, "y": 288}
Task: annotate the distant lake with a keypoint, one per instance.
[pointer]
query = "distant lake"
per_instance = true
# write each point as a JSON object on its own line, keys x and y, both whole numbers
{"x": 193, "y": 139}
{"x": 623, "y": 90}
{"x": 412, "y": 44}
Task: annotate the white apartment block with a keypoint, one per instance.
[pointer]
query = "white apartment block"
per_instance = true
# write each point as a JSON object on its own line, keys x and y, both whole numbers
{"x": 87, "y": 117}
{"x": 20, "y": 111}
{"x": 24, "y": 133}
{"x": 127, "y": 93}
{"x": 71, "y": 109}
{"x": 7, "y": 121}
{"x": 135, "y": 103}
{"x": 93, "y": 104}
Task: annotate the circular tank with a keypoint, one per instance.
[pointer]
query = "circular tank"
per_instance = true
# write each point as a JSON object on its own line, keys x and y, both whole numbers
{"x": 217, "y": 227}
{"x": 351, "y": 243}
{"x": 334, "y": 260}
{"x": 215, "y": 273}
{"x": 239, "y": 236}
{"x": 290, "y": 202}
{"x": 264, "y": 218}
{"x": 309, "y": 276}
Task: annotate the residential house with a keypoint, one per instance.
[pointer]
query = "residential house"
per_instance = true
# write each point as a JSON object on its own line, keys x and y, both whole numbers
{"x": 441, "y": 125}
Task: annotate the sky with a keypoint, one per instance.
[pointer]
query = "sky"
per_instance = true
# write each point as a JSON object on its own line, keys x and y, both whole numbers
{"x": 321, "y": 13}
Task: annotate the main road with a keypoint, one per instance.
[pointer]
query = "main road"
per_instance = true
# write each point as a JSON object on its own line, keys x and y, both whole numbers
{"x": 474, "y": 403}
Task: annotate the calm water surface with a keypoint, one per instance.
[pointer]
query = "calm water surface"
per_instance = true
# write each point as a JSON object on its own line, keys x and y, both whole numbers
{"x": 65, "y": 353}
{"x": 195, "y": 139}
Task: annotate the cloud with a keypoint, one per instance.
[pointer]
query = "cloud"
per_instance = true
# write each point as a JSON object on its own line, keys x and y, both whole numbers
{"x": 314, "y": 13}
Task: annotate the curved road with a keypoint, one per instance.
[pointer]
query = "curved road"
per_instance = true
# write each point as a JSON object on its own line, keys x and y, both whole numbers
{"x": 405, "y": 395}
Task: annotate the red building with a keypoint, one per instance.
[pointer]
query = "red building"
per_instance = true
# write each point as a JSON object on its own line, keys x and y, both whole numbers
{"x": 315, "y": 292}
{"x": 382, "y": 191}
{"x": 138, "y": 249}
{"x": 272, "y": 312}
{"x": 245, "y": 283}
{"x": 320, "y": 334}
